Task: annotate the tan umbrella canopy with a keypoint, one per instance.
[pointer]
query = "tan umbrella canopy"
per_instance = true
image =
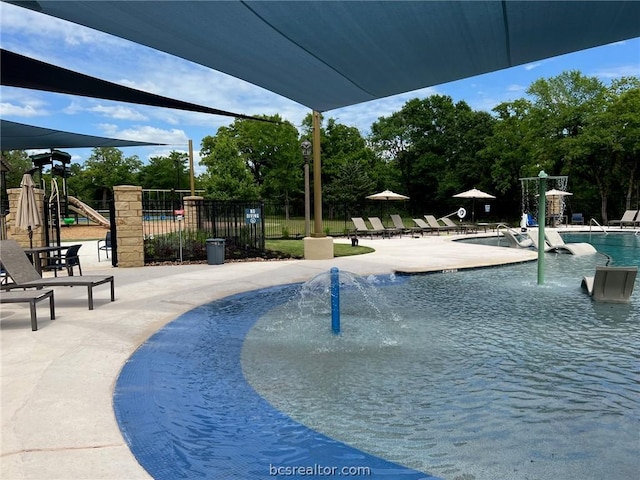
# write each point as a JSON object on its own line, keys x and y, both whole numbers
{"x": 473, "y": 194}
{"x": 28, "y": 215}
{"x": 556, "y": 193}
{"x": 387, "y": 195}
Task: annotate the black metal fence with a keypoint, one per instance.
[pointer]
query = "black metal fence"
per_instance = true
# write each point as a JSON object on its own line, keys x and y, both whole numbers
{"x": 173, "y": 233}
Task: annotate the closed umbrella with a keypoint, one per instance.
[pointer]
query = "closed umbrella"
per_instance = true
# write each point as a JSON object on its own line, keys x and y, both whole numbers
{"x": 28, "y": 215}
{"x": 473, "y": 194}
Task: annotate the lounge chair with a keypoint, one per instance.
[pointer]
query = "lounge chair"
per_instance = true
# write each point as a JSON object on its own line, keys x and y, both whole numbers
{"x": 459, "y": 227}
{"x": 422, "y": 225}
{"x": 433, "y": 223}
{"x": 399, "y": 224}
{"x": 630, "y": 217}
{"x": 514, "y": 241}
{"x": 376, "y": 223}
{"x": 362, "y": 229}
{"x": 555, "y": 241}
{"x": 611, "y": 284}
{"x": 24, "y": 275}
{"x": 31, "y": 297}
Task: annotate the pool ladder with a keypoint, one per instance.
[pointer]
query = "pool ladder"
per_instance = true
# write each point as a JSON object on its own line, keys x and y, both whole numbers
{"x": 592, "y": 221}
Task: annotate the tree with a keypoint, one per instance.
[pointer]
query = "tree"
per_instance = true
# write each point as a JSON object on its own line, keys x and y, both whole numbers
{"x": 18, "y": 162}
{"x": 268, "y": 150}
{"x": 105, "y": 168}
{"x": 166, "y": 172}
{"x": 227, "y": 176}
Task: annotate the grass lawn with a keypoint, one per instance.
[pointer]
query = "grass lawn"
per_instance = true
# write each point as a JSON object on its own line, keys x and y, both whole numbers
{"x": 295, "y": 248}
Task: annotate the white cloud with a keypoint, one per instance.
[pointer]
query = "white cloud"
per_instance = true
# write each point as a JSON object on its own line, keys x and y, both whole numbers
{"x": 630, "y": 70}
{"x": 531, "y": 66}
{"x": 146, "y": 133}
{"x": 27, "y": 111}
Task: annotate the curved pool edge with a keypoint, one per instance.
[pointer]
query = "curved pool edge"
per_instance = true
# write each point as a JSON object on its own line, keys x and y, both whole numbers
{"x": 239, "y": 412}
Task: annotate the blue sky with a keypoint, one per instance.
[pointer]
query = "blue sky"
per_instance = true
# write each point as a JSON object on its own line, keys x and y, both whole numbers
{"x": 110, "y": 58}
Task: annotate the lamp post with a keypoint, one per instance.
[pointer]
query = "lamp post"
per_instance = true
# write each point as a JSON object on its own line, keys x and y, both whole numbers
{"x": 306, "y": 147}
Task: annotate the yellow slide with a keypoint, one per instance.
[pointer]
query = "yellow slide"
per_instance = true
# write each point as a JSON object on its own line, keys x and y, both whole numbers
{"x": 85, "y": 210}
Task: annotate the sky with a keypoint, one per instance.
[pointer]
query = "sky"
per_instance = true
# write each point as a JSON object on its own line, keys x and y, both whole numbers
{"x": 116, "y": 60}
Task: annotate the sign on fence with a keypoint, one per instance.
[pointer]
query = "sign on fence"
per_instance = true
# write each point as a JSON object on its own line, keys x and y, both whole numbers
{"x": 251, "y": 216}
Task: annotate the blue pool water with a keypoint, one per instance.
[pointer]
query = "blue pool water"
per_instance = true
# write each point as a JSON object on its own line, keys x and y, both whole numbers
{"x": 468, "y": 375}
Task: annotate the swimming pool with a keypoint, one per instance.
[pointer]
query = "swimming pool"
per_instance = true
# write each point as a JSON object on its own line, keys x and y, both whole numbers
{"x": 491, "y": 376}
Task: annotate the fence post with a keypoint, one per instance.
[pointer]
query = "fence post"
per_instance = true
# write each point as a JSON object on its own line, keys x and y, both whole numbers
{"x": 192, "y": 205}
{"x": 130, "y": 232}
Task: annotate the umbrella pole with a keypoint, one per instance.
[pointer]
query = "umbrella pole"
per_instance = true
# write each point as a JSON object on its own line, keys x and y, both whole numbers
{"x": 30, "y": 233}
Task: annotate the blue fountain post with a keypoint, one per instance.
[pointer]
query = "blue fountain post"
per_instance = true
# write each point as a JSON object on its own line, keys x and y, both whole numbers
{"x": 335, "y": 300}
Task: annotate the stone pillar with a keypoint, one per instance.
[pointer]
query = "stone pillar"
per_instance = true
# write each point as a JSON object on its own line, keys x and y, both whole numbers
{"x": 191, "y": 207}
{"x": 129, "y": 230}
{"x": 17, "y": 234}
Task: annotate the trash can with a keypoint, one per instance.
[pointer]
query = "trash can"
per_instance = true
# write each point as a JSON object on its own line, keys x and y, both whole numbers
{"x": 215, "y": 251}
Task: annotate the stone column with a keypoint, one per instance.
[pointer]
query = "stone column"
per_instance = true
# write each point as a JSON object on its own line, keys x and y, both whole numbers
{"x": 191, "y": 207}
{"x": 17, "y": 234}
{"x": 129, "y": 230}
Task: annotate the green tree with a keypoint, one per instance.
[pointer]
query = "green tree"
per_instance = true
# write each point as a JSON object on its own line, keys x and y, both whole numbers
{"x": 166, "y": 172}
{"x": 17, "y": 162}
{"x": 105, "y": 168}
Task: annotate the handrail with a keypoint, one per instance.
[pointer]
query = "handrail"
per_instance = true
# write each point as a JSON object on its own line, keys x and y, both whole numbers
{"x": 592, "y": 221}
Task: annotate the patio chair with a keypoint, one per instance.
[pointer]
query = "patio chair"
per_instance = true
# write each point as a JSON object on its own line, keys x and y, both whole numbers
{"x": 555, "y": 241}
{"x": 24, "y": 275}
{"x": 105, "y": 245}
{"x": 611, "y": 284}
{"x": 68, "y": 260}
{"x": 630, "y": 217}
{"x": 422, "y": 225}
{"x": 436, "y": 226}
{"x": 514, "y": 241}
{"x": 362, "y": 229}
{"x": 399, "y": 224}
{"x": 32, "y": 297}
{"x": 577, "y": 219}
{"x": 376, "y": 223}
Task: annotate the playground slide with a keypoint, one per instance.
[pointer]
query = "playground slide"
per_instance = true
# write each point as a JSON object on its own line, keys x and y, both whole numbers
{"x": 84, "y": 209}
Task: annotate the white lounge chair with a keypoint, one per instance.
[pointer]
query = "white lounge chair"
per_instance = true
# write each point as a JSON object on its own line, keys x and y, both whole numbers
{"x": 377, "y": 225}
{"x": 611, "y": 284}
{"x": 514, "y": 241}
{"x": 630, "y": 217}
{"x": 555, "y": 241}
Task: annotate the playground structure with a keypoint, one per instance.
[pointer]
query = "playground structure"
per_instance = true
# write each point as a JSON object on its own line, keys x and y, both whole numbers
{"x": 58, "y": 203}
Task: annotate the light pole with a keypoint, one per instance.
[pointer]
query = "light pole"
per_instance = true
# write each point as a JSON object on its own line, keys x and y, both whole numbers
{"x": 306, "y": 147}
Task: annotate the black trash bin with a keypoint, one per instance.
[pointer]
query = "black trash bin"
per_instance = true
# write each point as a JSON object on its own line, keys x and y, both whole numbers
{"x": 215, "y": 251}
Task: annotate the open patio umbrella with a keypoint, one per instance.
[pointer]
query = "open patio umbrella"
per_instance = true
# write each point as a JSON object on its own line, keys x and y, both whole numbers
{"x": 387, "y": 195}
{"x": 473, "y": 194}
{"x": 28, "y": 215}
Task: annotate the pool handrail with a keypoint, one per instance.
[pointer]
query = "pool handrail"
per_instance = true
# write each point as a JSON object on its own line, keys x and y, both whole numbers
{"x": 592, "y": 221}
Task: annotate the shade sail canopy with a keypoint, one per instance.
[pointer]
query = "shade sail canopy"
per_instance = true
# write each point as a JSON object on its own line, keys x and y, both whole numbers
{"x": 20, "y": 71}
{"x": 387, "y": 195}
{"x": 18, "y": 136}
{"x": 473, "y": 193}
{"x": 326, "y": 55}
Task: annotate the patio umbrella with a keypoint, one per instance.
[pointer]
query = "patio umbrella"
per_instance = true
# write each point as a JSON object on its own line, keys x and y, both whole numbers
{"x": 387, "y": 195}
{"x": 28, "y": 215}
{"x": 473, "y": 194}
{"x": 556, "y": 207}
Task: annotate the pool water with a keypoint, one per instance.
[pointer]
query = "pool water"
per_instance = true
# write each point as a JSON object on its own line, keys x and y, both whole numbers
{"x": 477, "y": 374}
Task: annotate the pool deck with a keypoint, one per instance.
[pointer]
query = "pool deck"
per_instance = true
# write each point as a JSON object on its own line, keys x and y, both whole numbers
{"x": 57, "y": 383}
